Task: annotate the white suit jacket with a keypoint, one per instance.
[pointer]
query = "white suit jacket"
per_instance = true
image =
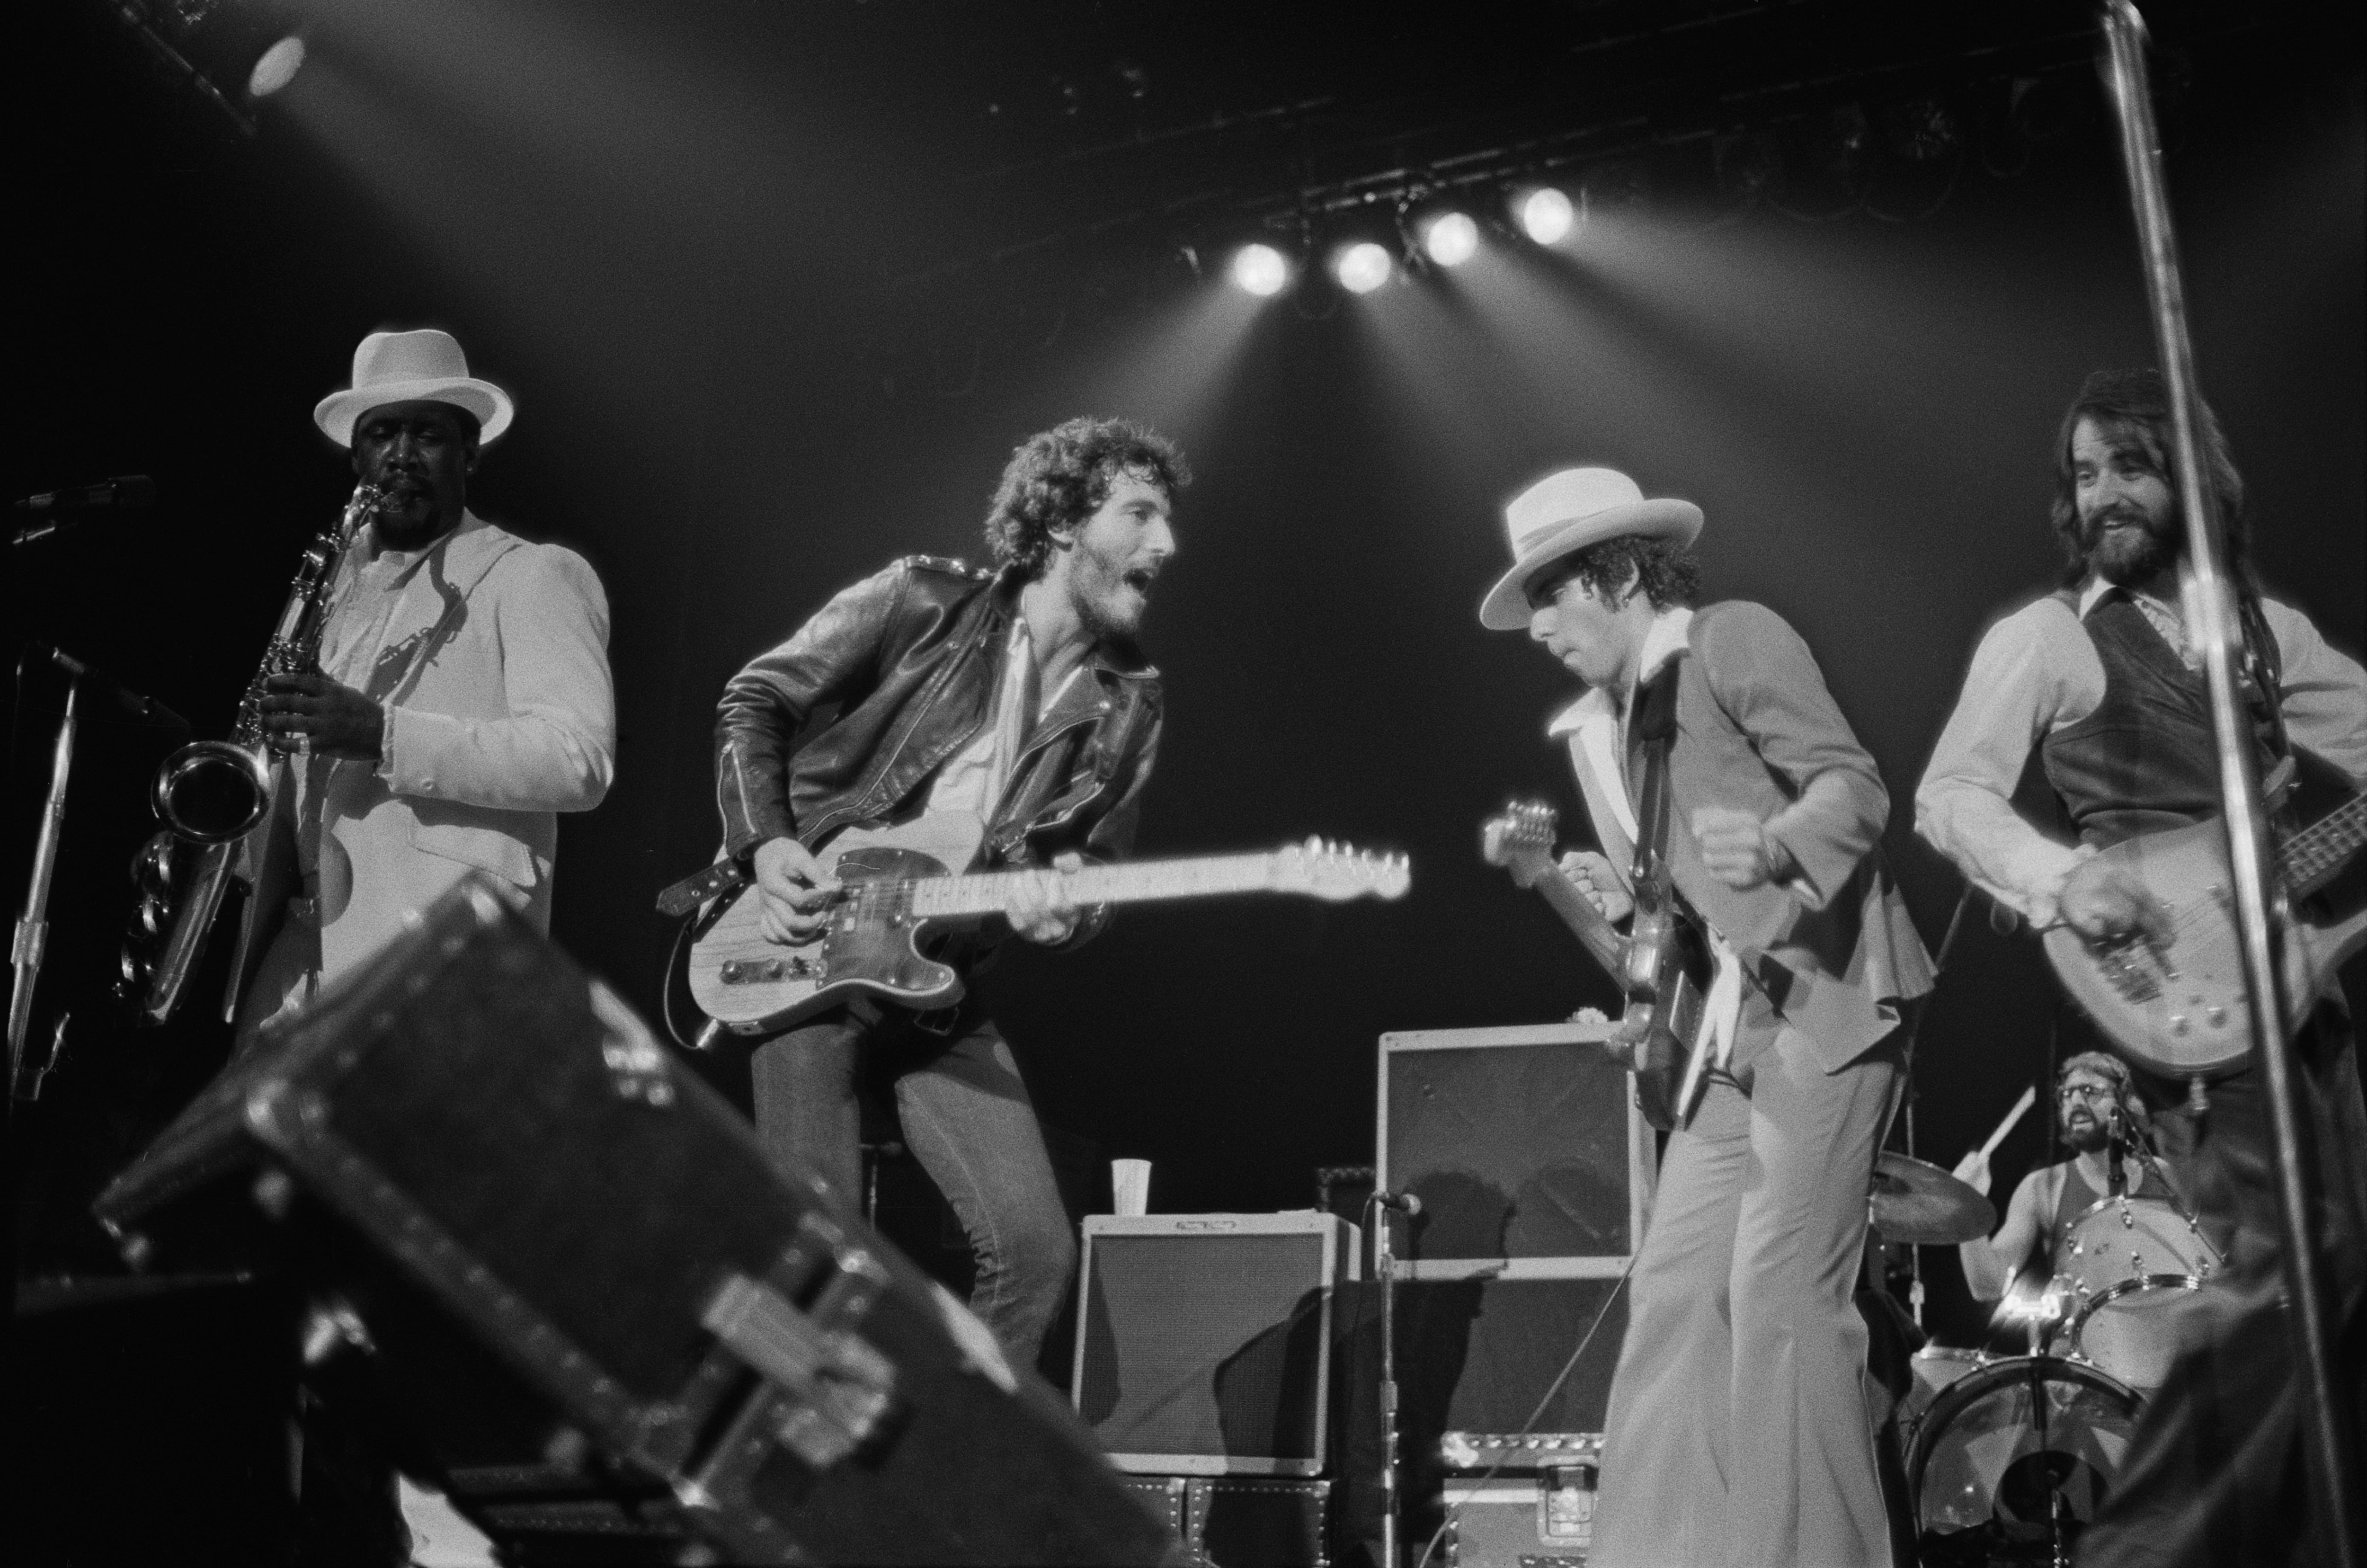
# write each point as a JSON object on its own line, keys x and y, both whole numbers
{"x": 500, "y": 713}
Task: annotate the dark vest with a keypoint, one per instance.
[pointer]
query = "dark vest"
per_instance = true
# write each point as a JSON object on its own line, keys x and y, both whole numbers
{"x": 2144, "y": 761}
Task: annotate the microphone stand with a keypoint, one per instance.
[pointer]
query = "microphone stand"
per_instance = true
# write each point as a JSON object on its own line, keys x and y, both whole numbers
{"x": 31, "y": 942}
{"x": 1385, "y": 1269}
{"x": 2325, "y": 1438}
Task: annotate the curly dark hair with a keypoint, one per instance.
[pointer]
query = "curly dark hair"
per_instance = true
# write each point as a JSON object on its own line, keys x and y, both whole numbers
{"x": 1059, "y": 477}
{"x": 2133, "y": 406}
{"x": 1667, "y": 571}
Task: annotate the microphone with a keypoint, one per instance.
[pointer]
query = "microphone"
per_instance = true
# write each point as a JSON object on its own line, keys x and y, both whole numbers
{"x": 1405, "y": 1203}
{"x": 131, "y": 704}
{"x": 54, "y": 509}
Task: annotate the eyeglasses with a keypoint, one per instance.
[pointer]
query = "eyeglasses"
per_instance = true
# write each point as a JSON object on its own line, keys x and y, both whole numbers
{"x": 2084, "y": 1092}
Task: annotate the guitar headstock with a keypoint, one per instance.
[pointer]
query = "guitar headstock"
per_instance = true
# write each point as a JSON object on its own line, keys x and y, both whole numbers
{"x": 1521, "y": 839}
{"x": 1337, "y": 871}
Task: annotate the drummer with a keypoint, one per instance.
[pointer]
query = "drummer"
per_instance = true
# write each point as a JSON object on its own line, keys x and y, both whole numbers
{"x": 2097, "y": 1107}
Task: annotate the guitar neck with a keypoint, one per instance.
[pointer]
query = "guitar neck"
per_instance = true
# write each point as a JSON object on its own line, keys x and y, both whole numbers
{"x": 2310, "y": 859}
{"x": 1602, "y": 943}
{"x": 1137, "y": 881}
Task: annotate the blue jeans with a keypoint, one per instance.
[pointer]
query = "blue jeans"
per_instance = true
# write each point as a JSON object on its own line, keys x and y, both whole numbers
{"x": 967, "y": 1119}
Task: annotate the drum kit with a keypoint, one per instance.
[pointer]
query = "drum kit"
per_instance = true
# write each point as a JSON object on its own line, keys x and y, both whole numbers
{"x": 2008, "y": 1457}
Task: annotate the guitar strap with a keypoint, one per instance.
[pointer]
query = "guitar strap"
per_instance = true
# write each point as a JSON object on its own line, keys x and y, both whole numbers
{"x": 1654, "y": 726}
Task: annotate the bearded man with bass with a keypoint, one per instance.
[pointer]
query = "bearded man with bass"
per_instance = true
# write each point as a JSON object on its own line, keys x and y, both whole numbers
{"x": 2102, "y": 680}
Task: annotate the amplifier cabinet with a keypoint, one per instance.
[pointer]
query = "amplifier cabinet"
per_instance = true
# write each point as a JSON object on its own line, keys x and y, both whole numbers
{"x": 1476, "y": 1355}
{"x": 1540, "y": 1521}
{"x": 559, "y": 1276}
{"x": 1524, "y": 1146}
{"x": 1202, "y": 1340}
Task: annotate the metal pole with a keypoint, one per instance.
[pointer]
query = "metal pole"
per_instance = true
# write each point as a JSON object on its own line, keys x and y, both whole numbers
{"x": 2248, "y": 849}
{"x": 1385, "y": 1265}
{"x": 1907, "y": 1079}
{"x": 32, "y": 937}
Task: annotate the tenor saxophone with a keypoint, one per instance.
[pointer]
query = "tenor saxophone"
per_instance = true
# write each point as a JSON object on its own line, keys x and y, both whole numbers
{"x": 210, "y": 795}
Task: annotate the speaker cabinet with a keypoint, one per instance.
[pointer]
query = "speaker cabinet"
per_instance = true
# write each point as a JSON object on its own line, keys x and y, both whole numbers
{"x": 1202, "y": 1340}
{"x": 1475, "y": 1357}
{"x": 1523, "y": 1145}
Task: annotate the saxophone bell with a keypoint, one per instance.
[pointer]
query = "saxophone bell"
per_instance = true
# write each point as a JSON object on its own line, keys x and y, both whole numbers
{"x": 212, "y": 791}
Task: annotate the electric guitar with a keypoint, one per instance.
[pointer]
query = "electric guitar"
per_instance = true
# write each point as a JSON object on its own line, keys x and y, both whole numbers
{"x": 1662, "y": 969}
{"x": 2179, "y": 1007}
{"x": 901, "y": 884}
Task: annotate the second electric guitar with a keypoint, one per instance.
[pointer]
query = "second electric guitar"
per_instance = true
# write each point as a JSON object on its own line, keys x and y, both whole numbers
{"x": 1663, "y": 969}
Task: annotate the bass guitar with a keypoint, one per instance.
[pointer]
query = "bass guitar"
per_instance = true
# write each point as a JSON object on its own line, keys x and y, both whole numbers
{"x": 2180, "y": 1006}
{"x": 901, "y": 885}
{"x": 1663, "y": 969}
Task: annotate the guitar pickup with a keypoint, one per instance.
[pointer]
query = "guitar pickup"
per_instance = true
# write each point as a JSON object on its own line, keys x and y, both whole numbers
{"x": 765, "y": 971}
{"x": 2121, "y": 965}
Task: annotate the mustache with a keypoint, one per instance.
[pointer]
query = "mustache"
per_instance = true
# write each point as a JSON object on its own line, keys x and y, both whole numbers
{"x": 2098, "y": 522}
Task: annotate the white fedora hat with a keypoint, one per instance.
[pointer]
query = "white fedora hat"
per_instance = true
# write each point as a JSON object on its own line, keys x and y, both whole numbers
{"x": 1564, "y": 513}
{"x": 425, "y": 366}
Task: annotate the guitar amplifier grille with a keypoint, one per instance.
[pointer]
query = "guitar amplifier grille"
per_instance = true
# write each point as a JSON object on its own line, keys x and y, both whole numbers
{"x": 1201, "y": 1340}
{"x": 1520, "y": 1144}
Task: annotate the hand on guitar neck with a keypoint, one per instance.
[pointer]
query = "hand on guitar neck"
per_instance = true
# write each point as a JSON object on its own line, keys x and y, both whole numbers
{"x": 1592, "y": 875}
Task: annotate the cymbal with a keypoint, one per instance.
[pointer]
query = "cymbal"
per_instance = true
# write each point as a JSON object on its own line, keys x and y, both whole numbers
{"x": 1914, "y": 1201}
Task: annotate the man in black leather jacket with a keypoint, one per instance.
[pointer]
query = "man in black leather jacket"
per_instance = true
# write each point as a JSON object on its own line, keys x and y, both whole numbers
{"x": 1016, "y": 695}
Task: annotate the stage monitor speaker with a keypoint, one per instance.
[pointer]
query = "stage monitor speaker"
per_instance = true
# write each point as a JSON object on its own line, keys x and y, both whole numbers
{"x": 1202, "y": 1341}
{"x": 559, "y": 1279}
{"x": 1523, "y": 1145}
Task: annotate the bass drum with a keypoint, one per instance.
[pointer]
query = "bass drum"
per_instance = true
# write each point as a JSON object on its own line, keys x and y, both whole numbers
{"x": 2013, "y": 1460}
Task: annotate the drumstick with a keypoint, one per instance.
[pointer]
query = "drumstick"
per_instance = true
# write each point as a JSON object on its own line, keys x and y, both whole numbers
{"x": 2029, "y": 1098}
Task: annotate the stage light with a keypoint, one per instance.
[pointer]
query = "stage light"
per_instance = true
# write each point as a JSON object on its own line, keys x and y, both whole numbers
{"x": 1546, "y": 215}
{"x": 1361, "y": 267}
{"x": 232, "y": 53}
{"x": 1260, "y": 269}
{"x": 277, "y": 68}
{"x": 1451, "y": 239}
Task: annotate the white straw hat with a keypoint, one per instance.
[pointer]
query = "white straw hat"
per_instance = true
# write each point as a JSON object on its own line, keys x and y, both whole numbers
{"x": 1562, "y": 514}
{"x": 425, "y": 366}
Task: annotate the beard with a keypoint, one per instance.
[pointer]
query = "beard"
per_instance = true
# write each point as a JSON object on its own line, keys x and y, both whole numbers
{"x": 1108, "y": 601}
{"x": 2086, "y": 1136}
{"x": 2127, "y": 555}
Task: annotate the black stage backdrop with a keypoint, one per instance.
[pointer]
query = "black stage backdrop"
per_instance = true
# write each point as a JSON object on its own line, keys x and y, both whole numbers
{"x": 743, "y": 267}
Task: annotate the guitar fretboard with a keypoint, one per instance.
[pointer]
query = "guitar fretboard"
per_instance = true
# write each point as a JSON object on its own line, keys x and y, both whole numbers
{"x": 2314, "y": 854}
{"x": 1137, "y": 881}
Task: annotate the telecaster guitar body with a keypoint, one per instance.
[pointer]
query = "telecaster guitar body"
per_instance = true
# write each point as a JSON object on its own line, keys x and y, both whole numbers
{"x": 754, "y": 985}
{"x": 2181, "y": 1008}
{"x": 904, "y": 884}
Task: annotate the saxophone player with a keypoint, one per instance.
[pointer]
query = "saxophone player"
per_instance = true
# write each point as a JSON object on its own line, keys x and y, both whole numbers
{"x": 462, "y": 700}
